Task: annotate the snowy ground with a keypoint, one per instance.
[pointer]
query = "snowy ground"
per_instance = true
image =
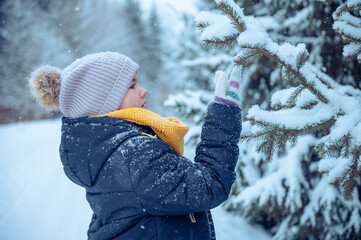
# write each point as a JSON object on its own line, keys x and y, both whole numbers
{"x": 39, "y": 202}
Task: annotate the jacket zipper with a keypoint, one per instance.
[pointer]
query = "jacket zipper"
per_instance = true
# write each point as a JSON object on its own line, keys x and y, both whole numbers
{"x": 193, "y": 218}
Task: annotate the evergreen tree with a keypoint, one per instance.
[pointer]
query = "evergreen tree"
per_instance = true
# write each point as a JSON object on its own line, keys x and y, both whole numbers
{"x": 136, "y": 29}
{"x": 191, "y": 68}
{"x": 57, "y": 32}
{"x": 153, "y": 52}
{"x": 23, "y": 38}
{"x": 144, "y": 33}
{"x": 288, "y": 196}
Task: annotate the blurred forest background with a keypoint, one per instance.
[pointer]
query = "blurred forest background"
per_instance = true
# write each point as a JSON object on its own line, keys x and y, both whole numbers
{"x": 175, "y": 67}
{"x": 36, "y": 32}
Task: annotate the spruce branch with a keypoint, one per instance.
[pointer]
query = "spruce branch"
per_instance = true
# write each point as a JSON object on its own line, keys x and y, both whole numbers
{"x": 349, "y": 178}
{"x": 289, "y": 71}
{"x": 270, "y": 149}
{"x": 201, "y": 26}
{"x": 343, "y": 143}
{"x": 309, "y": 105}
{"x": 279, "y": 102}
{"x": 341, "y": 10}
{"x": 347, "y": 6}
{"x": 292, "y": 98}
{"x": 326, "y": 80}
{"x": 286, "y": 74}
{"x": 247, "y": 56}
{"x": 348, "y": 25}
{"x": 302, "y": 59}
{"x": 232, "y": 13}
{"x": 347, "y": 145}
{"x": 274, "y": 135}
{"x": 218, "y": 43}
{"x": 346, "y": 37}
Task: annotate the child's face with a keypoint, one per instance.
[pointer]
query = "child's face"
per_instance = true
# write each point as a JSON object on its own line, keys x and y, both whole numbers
{"x": 135, "y": 96}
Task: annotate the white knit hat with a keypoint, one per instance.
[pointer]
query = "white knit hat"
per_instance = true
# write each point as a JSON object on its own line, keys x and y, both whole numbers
{"x": 92, "y": 85}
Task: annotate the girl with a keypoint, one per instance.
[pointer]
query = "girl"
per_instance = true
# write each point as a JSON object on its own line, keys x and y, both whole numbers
{"x": 129, "y": 159}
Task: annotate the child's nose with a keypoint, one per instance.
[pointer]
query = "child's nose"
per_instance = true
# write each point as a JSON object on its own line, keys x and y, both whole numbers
{"x": 144, "y": 92}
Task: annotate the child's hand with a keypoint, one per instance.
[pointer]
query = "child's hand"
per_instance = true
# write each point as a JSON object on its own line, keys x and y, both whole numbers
{"x": 227, "y": 92}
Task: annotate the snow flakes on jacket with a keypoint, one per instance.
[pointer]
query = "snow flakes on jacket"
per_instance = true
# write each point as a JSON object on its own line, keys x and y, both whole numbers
{"x": 139, "y": 188}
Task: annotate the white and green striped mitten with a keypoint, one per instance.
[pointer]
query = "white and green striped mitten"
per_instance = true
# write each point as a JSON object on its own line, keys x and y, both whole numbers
{"x": 227, "y": 92}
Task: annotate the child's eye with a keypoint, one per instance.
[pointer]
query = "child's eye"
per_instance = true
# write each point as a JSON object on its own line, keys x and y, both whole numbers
{"x": 132, "y": 86}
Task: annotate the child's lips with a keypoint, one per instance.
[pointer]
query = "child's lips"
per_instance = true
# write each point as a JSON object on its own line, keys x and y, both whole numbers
{"x": 144, "y": 106}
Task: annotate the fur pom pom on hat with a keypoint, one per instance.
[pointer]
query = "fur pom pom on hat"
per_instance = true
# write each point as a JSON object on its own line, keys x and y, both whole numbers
{"x": 92, "y": 85}
{"x": 45, "y": 84}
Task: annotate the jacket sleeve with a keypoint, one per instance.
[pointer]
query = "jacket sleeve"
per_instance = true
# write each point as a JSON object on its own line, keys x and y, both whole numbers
{"x": 169, "y": 184}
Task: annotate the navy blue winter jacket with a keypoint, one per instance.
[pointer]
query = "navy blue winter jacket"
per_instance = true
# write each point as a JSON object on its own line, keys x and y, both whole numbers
{"x": 140, "y": 188}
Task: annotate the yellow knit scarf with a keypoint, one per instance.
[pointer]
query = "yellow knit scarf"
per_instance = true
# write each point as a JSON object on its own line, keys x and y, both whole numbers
{"x": 169, "y": 130}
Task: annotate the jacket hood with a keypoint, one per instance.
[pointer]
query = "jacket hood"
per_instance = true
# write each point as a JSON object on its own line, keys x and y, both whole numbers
{"x": 86, "y": 144}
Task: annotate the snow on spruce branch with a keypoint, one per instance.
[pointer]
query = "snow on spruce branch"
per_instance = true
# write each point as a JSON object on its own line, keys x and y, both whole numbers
{"x": 272, "y": 185}
{"x": 315, "y": 103}
{"x": 348, "y": 25}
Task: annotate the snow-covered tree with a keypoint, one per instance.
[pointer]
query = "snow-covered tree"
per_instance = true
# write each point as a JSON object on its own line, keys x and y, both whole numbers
{"x": 288, "y": 196}
{"x": 191, "y": 68}
{"x": 144, "y": 32}
{"x": 153, "y": 52}
{"x": 57, "y": 32}
{"x": 25, "y": 33}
